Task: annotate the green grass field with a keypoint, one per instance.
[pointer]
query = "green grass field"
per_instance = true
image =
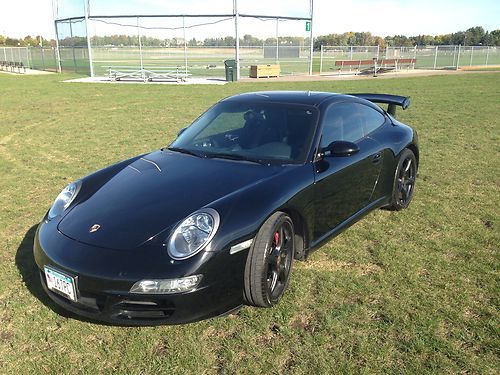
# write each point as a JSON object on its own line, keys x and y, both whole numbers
{"x": 209, "y": 61}
{"x": 409, "y": 292}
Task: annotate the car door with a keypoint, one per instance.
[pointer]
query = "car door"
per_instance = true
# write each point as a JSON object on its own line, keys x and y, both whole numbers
{"x": 344, "y": 184}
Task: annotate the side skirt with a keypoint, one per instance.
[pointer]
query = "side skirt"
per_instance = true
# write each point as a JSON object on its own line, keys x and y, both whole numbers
{"x": 381, "y": 202}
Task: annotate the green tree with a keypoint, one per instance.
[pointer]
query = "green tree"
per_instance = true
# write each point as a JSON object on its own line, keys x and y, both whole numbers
{"x": 495, "y": 37}
{"x": 474, "y": 35}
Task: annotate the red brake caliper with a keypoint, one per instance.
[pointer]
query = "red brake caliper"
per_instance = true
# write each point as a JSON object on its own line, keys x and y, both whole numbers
{"x": 276, "y": 238}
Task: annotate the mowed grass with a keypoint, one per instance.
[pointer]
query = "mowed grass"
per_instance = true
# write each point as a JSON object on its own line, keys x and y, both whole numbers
{"x": 415, "y": 291}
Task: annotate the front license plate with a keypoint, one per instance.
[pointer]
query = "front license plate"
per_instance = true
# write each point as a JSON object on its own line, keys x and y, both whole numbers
{"x": 60, "y": 283}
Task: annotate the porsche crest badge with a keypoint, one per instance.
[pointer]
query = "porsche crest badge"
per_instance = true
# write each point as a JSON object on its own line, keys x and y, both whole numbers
{"x": 94, "y": 228}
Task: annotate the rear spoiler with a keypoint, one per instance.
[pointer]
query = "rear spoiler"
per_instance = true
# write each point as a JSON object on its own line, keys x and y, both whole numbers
{"x": 392, "y": 100}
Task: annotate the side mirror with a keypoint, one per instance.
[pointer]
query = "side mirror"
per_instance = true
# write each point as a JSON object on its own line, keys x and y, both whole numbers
{"x": 341, "y": 148}
{"x": 181, "y": 131}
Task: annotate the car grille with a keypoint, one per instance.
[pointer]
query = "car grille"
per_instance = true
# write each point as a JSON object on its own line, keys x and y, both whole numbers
{"x": 142, "y": 310}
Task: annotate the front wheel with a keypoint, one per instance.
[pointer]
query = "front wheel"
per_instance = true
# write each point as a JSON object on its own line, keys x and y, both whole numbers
{"x": 269, "y": 262}
{"x": 404, "y": 181}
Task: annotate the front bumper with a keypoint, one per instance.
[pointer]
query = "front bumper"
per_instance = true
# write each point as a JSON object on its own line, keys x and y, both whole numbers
{"x": 104, "y": 278}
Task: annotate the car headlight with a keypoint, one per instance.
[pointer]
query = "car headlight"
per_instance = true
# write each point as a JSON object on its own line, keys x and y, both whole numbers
{"x": 64, "y": 199}
{"x": 193, "y": 234}
{"x": 166, "y": 286}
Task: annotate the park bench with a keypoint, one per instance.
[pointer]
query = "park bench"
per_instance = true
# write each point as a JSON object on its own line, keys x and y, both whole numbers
{"x": 13, "y": 66}
{"x": 148, "y": 74}
{"x": 353, "y": 64}
{"x": 374, "y": 65}
{"x": 397, "y": 64}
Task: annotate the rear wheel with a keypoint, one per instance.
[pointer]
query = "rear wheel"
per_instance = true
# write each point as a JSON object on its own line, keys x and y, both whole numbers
{"x": 269, "y": 261}
{"x": 404, "y": 181}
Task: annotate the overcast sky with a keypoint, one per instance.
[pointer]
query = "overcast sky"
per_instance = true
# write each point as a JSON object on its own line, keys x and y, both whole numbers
{"x": 385, "y": 17}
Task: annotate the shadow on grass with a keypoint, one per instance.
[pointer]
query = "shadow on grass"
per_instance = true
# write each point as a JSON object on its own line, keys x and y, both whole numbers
{"x": 30, "y": 273}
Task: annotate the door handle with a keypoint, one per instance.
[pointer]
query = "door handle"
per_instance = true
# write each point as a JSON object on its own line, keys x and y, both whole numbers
{"x": 376, "y": 158}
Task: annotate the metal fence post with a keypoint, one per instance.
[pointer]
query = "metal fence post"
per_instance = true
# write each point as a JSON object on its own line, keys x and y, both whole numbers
{"x": 58, "y": 51}
{"x": 54, "y": 56}
{"x": 5, "y": 54}
{"x": 378, "y": 50}
{"x": 42, "y": 52}
{"x": 140, "y": 47}
{"x": 471, "y": 53}
{"x": 26, "y": 57}
{"x": 321, "y": 61}
{"x": 458, "y": 57}
{"x": 435, "y": 57}
{"x": 350, "y": 58}
{"x": 185, "y": 46}
{"x": 487, "y": 55}
{"x": 277, "y": 41}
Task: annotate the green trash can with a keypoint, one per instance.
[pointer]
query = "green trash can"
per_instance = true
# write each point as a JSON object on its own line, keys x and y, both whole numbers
{"x": 230, "y": 66}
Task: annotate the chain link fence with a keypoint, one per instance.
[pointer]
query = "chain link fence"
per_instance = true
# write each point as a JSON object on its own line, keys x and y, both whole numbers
{"x": 43, "y": 58}
{"x": 15, "y": 54}
{"x": 426, "y": 57}
{"x": 202, "y": 61}
{"x": 205, "y": 61}
{"x": 39, "y": 58}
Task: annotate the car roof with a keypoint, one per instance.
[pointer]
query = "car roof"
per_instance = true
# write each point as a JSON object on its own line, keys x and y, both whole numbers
{"x": 313, "y": 98}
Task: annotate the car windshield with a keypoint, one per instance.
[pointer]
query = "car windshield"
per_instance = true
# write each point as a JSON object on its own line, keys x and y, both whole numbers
{"x": 257, "y": 131}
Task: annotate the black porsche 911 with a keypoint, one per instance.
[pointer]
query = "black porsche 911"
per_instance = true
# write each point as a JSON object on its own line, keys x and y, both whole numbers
{"x": 215, "y": 220}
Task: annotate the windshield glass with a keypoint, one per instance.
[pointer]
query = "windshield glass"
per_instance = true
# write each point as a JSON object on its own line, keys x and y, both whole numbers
{"x": 265, "y": 132}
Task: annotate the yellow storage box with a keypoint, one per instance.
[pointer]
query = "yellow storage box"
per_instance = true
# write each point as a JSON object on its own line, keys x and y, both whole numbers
{"x": 269, "y": 70}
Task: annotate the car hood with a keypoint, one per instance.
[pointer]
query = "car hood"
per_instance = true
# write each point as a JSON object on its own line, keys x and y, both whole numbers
{"x": 154, "y": 193}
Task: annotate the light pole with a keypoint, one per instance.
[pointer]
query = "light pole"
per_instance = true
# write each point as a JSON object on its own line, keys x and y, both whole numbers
{"x": 89, "y": 47}
{"x": 311, "y": 36}
{"x": 237, "y": 37}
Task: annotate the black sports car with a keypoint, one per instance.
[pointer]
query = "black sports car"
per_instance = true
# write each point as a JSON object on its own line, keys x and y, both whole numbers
{"x": 215, "y": 220}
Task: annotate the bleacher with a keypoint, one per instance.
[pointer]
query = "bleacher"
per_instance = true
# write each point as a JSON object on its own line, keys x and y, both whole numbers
{"x": 12, "y": 67}
{"x": 148, "y": 74}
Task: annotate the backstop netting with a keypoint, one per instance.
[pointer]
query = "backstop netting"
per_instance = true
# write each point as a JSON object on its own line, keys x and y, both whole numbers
{"x": 195, "y": 36}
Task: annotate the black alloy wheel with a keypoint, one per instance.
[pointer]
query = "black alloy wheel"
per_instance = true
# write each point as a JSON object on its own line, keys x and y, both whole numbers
{"x": 269, "y": 261}
{"x": 404, "y": 183}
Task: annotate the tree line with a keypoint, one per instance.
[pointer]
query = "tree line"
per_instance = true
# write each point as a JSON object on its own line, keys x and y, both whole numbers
{"x": 26, "y": 41}
{"x": 471, "y": 37}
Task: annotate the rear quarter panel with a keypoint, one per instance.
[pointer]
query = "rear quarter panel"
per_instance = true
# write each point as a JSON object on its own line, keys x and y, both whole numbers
{"x": 393, "y": 138}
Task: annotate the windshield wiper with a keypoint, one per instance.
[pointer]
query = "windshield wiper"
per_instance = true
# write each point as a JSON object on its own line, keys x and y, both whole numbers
{"x": 236, "y": 157}
{"x": 185, "y": 151}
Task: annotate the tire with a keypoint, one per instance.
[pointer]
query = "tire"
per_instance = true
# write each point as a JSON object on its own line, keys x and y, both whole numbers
{"x": 269, "y": 262}
{"x": 404, "y": 181}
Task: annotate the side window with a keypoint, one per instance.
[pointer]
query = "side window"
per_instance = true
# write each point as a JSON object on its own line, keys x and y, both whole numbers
{"x": 342, "y": 122}
{"x": 349, "y": 122}
{"x": 372, "y": 119}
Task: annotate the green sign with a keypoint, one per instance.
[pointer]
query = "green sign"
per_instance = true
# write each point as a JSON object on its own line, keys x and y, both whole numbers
{"x": 308, "y": 25}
